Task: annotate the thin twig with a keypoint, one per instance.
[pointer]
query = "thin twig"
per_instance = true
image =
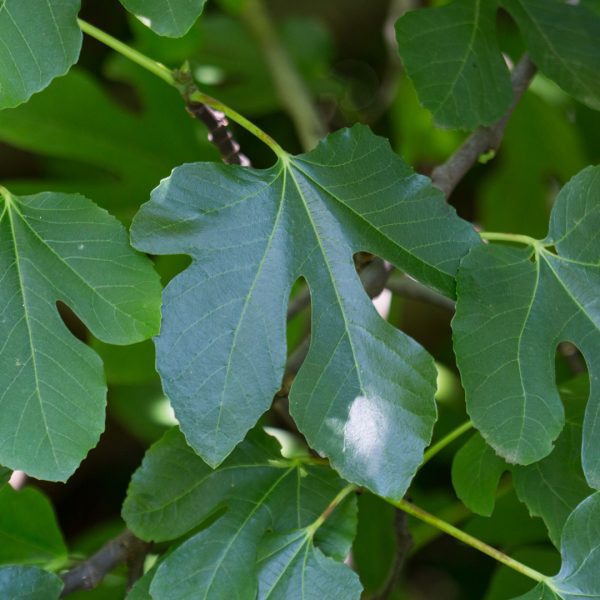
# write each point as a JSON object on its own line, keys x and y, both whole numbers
{"x": 403, "y": 545}
{"x": 289, "y": 85}
{"x": 447, "y": 176}
{"x": 126, "y": 548}
{"x": 406, "y": 287}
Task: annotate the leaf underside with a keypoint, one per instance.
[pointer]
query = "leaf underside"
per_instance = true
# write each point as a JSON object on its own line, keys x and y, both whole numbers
{"x": 364, "y": 395}
{"x": 58, "y": 247}
{"x": 514, "y": 307}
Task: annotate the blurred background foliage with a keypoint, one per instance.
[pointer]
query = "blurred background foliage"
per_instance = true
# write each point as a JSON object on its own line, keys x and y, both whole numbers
{"x": 111, "y": 131}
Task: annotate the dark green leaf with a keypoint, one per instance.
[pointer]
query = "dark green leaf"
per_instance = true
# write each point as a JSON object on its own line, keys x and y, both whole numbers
{"x": 40, "y": 41}
{"x": 172, "y": 18}
{"x": 514, "y": 307}
{"x": 476, "y": 471}
{"x": 29, "y": 583}
{"x": 452, "y": 56}
{"x": 554, "y": 486}
{"x": 175, "y": 491}
{"x": 4, "y": 476}
{"x": 124, "y": 154}
{"x": 29, "y": 533}
{"x": 364, "y": 395}
{"x": 579, "y": 576}
{"x": 563, "y": 39}
{"x": 57, "y": 247}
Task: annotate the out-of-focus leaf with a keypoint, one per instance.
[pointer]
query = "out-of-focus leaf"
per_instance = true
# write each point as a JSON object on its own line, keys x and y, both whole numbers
{"x": 29, "y": 583}
{"x": 29, "y": 532}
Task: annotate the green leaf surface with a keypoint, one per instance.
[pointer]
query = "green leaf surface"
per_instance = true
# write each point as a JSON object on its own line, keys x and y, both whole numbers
{"x": 364, "y": 395}
{"x": 175, "y": 492}
{"x": 452, "y": 56}
{"x": 514, "y": 306}
{"x": 290, "y": 566}
{"x": 552, "y": 487}
{"x": 563, "y": 39}
{"x": 39, "y": 40}
{"x": 5, "y": 475}
{"x": 579, "y": 576}
{"x": 172, "y": 18}
{"x": 29, "y": 583}
{"x": 29, "y": 532}
{"x": 476, "y": 472}
{"x": 58, "y": 247}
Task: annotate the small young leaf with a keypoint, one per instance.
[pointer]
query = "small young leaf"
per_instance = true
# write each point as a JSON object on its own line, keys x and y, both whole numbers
{"x": 579, "y": 576}
{"x": 29, "y": 532}
{"x": 174, "y": 492}
{"x": 563, "y": 39}
{"x": 364, "y": 395}
{"x": 40, "y": 41}
{"x": 514, "y": 307}
{"x": 58, "y": 247}
{"x": 172, "y": 18}
{"x": 29, "y": 583}
{"x": 476, "y": 471}
{"x": 452, "y": 56}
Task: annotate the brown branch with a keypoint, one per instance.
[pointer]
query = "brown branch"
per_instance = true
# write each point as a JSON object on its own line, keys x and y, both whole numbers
{"x": 406, "y": 287}
{"x": 404, "y": 543}
{"x": 447, "y": 176}
{"x": 126, "y": 548}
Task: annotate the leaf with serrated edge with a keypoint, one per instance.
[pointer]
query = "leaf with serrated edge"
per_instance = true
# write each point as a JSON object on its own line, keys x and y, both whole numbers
{"x": 172, "y": 18}
{"x": 29, "y": 583}
{"x": 174, "y": 491}
{"x": 550, "y": 488}
{"x": 364, "y": 395}
{"x": 579, "y": 576}
{"x": 39, "y": 40}
{"x": 452, "y": 56}
{"x": 563, "y": 39}
{"x": 59, "y": 247}
{"x": 514, "y": 306}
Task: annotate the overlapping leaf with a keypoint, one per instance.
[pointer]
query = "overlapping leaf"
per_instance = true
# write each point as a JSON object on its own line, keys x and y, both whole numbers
{"x": 551, "y": 488}
{"x": 579, "y": 576}
{"x": 514, "y": 307}
{"x": 174, "y": 492}
{"x": 57, "y": 247}
{"x": 29, "y": 583}
{"x": 39, "y": 40}
{"x": 452, "y": 55}
{"x": 364, "y": 395}
{"x": 172, "y": 18}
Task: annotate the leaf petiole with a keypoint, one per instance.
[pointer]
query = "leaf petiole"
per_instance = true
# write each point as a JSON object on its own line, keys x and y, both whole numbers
{"x": 460, "y": 535}
{"x": 312, "y": 528}
{"x": 445, "y": 441}
{"x": 516, "y": 238}
{"x": 169, "y": 76}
